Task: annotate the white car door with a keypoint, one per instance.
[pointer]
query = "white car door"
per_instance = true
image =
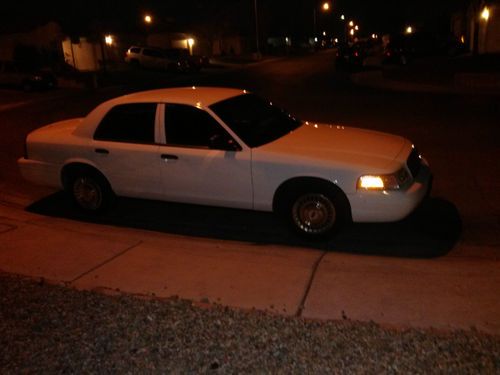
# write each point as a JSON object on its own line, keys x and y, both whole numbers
{"x": 126, "y": 152}
{"x": 201, "y": 162}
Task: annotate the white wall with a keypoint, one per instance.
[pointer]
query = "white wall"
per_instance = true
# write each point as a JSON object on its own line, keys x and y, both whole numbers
{"x": 83, "y": 56}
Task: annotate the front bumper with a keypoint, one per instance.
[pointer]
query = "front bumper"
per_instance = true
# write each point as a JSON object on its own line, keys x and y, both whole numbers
{"x": 390, "y": 205}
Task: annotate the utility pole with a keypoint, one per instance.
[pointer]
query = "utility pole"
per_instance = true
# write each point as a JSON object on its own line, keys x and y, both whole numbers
{"x": 257, "y": 45}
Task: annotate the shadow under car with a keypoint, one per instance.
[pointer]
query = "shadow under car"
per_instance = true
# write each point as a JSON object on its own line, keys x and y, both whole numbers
{"x": 430, "y": 231}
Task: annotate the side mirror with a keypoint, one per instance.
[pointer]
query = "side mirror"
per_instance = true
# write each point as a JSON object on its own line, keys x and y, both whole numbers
{"x": 223, "y": 142}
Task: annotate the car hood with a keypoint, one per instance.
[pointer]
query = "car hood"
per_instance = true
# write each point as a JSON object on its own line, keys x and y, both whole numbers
{"x": 341, "y": 145}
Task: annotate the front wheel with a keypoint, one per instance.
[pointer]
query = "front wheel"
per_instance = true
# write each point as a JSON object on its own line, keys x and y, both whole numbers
{"x": 314, "y": 214}
{"x": 315, "y": 211}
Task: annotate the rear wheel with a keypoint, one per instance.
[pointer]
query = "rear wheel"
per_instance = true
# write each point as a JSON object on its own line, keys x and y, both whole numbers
{"x": 90, "y": 191}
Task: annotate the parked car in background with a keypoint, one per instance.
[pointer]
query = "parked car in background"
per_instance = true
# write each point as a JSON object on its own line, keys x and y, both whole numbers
{"x": 13, "y": 74}
{"x": 182, "y": 59}
{"x": 230, "y": 148}
{"x": 403, "y": 49}
{"x": 187, "y": 61}
{"x": 363, "y": 53}
{"x": 149, "y": 58}
{"x": 349, "y": 56}
{"x": 172, "y": 59}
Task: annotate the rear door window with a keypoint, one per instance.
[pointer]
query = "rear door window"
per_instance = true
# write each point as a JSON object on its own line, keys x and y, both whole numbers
{"x": 133, "y": 123}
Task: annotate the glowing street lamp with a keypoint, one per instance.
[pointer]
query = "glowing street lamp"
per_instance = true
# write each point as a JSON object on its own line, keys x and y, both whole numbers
{"x": 351, "y": 23}
{"x": 409, "y": 30}
{"x": 485, "y": 14}
{"x": 325, "y": 7}
{"x": 148, "y": 19}
{"x": 190, "y": 43}
{"x": 108, "y": 39}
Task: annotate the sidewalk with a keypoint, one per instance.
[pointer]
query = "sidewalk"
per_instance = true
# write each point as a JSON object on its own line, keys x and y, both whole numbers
{"x": 451, "y": 292}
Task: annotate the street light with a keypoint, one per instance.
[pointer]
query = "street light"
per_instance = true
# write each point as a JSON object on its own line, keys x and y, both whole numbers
{"x": 148, "y": 19}
{"x": 409, "y": 30}
{"x": 485, "y": 14}
{"x": 190, "y": 43}
{"x": 108, "y": 39}
{"x": 325, "y": 7}
{"x": 256, "y": 14}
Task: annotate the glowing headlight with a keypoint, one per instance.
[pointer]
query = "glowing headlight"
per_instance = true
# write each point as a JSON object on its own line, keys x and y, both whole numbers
{"x": 393, "y": 181}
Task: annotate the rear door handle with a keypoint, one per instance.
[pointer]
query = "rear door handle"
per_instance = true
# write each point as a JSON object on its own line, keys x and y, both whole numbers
{"x": 169, "y": 157}
{"x": 101, "y": 151}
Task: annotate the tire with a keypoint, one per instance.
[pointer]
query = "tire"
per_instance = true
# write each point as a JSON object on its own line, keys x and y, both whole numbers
{"x": 135, "y": 64}
{"x": 315, "y": 211}
{"x": 27, "y": 86}
{"x": 90, "y": 191}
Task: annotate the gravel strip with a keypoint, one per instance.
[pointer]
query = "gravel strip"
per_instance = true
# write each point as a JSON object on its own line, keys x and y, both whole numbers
{"x": 52, "y": 329}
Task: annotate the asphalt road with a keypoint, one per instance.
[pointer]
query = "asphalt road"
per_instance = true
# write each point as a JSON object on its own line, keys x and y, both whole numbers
{"x": 458, "y": 134}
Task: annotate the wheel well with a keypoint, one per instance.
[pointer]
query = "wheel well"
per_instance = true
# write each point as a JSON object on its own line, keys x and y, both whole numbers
{"x": 296, "y": 184}
{"x": 70, "y": 170}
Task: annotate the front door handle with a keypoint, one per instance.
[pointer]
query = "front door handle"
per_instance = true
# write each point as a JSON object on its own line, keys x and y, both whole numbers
{"x": 169, "y": 157}
{"x": 101, "y": 151}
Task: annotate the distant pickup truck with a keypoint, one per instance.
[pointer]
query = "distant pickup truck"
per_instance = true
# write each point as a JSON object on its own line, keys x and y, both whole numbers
{"x": 194, "y": 62}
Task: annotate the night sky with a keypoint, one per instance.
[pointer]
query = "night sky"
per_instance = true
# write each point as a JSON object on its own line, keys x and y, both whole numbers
{"x": 277, "y": 16}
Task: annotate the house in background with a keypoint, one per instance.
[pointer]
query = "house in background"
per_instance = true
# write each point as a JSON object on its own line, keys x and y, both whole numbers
{"x": 83, "y": 54}
{"x": 41, "y": 45}
{"x": 478, "y": 26}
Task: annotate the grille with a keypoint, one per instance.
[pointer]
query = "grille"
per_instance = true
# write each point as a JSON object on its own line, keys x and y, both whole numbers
{"x": 414, "y": 162}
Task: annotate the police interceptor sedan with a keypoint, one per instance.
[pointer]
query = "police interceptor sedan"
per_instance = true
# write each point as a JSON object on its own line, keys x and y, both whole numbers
{"x": 229, "y": 148}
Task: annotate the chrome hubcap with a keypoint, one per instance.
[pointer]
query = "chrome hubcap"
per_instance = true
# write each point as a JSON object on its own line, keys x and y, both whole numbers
{"x": 87, "y": 193}
{"x": 314, "y": 213}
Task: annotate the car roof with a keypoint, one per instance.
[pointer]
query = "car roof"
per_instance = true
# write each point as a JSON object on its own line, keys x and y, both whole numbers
{"x": 201, "y": 97}
{"x": 196, "y": 96}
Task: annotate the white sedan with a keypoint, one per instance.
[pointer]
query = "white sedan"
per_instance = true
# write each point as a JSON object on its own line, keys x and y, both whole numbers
{"x": 227, "y": 147}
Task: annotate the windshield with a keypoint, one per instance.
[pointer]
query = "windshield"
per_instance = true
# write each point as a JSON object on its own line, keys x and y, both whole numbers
{"x": 255, "y": 120}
